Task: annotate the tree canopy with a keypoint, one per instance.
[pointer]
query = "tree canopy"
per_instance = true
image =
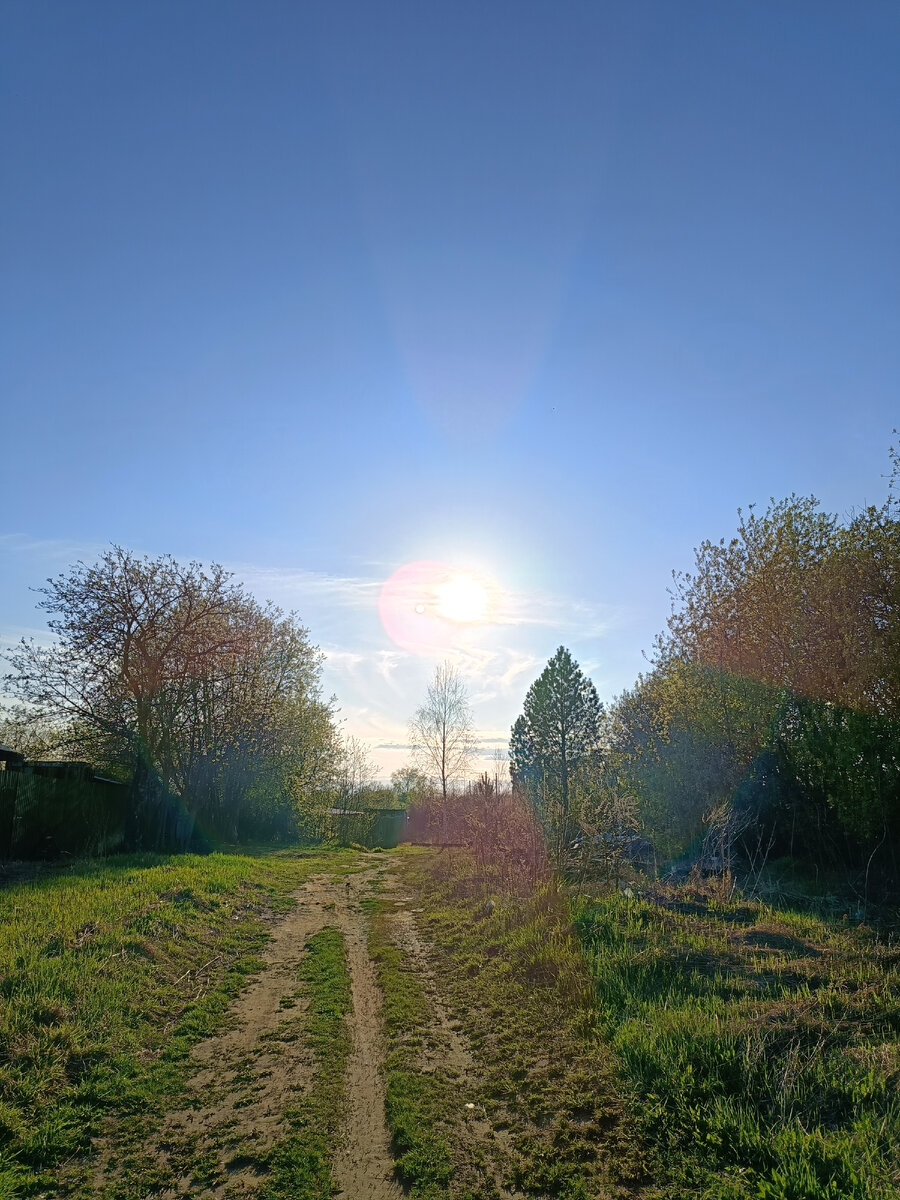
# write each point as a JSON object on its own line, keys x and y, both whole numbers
{"x": 556, "y": 736}
{"x": 173, "y": 676}
{"x": 776, "y": 689}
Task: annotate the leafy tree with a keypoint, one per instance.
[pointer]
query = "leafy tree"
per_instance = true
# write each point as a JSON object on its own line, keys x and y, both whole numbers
{"x": 682, "y": 740}
{"x": 176, "y": 677}
{"x": 409, "y": 784}
{"x": 776, "y": 688}
{"x": 760, "y": 606}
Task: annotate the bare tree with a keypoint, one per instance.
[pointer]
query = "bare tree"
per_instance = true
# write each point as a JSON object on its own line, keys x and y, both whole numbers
{"x": 354, "y": 773}
{"x": 500, "y": 761}
{"x": 441, "y": 731}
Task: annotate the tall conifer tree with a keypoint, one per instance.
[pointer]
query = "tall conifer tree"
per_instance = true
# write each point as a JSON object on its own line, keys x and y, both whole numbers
{"x": 558, "y": 731}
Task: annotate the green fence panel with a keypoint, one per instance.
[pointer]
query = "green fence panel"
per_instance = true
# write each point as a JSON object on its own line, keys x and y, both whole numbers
{"x": 42, "y": 817}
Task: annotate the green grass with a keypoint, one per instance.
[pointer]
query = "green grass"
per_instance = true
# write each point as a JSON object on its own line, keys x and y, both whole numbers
{"x": 109, "y": 972}
{"x": 669, "y": 1046}
{"x": 300, "y": 1166}
{"x": 415, "y": 1101}
{"x": 761, "y": 1046}
{"x": 673, "y": 1045}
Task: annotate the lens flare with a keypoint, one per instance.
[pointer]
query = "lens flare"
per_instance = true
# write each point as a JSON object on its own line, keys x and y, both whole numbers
{"x": 429, "y": 606}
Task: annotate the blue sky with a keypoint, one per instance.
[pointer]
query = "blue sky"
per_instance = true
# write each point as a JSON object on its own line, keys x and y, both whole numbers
{"x": 540, "y": 291}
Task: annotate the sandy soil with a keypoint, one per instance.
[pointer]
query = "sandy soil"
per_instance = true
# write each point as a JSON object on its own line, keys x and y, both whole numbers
{"x": 246, "y": 1077}
{"x": 364, "y": 1167}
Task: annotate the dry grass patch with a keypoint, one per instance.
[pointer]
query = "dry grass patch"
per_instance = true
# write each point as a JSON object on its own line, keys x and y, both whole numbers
{"x": 514, "y": 977}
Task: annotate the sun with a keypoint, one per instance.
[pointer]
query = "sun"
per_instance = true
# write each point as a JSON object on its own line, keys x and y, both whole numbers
{"x": 432, "y": 607}
{"x": 462, "y": 598}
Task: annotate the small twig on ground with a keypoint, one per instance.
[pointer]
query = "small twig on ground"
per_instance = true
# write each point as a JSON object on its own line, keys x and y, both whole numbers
{"x": 198, "y": 970}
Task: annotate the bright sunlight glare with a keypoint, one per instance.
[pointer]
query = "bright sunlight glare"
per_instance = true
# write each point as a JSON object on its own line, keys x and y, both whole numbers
{"x": 462, "y": 598}
{"x": 431, "y": 607}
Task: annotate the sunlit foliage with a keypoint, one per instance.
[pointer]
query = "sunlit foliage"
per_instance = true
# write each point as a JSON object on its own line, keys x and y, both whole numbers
{"x": 173, "y": 677}
{"x": 776, "y": 688}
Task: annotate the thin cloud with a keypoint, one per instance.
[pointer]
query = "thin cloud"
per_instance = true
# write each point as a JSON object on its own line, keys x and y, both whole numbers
{"x": 293, "y": 585}
{"x": 549, "y": 611}
{"x": 50, "y": 548}
{"x": 11, "y": 635}
{"x": 545, "y": 610}
{"x": 342, "y": 661}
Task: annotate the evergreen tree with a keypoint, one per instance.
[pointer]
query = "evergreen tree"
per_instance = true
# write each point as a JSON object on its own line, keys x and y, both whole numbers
{"x": 523, "y": 764}
{"x": 557, "y": 734}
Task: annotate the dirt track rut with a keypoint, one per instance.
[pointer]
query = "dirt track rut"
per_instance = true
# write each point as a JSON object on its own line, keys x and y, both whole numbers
{"x": 364, "y": 1167}
{"x": 245, "y": 1077}
{"x": 214, "y": 1145}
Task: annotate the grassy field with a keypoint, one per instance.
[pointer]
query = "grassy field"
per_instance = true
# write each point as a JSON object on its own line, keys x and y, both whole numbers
{"x": 761, "y": 1045}
{"x": 654, "y": 1045}
{"x": 516, "y": 980}
{"x": 673, "y": 1046}
{"x": 109, "y": 973}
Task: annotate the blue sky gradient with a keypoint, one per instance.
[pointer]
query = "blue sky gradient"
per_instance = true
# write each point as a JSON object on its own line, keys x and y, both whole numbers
{"x": 542, "y": 290}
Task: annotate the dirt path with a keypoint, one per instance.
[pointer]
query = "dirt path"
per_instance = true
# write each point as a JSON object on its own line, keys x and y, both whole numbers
{"x": 246, "y": 1076}
{"x": 364, "y": 1169}
{"x": 233, "y": 1108}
